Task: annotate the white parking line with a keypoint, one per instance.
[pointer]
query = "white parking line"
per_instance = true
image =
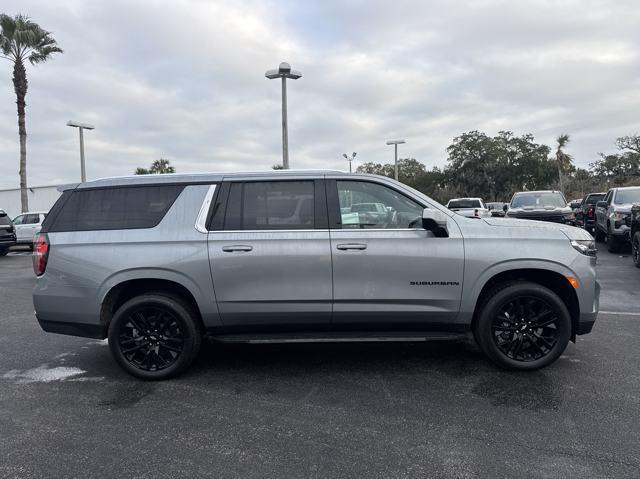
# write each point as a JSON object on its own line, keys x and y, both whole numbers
{"x": 620, "y": 313}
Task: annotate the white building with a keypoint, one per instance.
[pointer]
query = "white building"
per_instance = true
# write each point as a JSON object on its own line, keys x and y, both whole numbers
{"x": 41, "y": 198}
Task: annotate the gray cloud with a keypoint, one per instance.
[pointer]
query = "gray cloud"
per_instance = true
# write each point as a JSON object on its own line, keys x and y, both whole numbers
{"x": 184, "y": 80}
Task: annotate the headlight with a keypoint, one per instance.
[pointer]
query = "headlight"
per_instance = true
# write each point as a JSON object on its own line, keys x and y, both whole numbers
{"x": 570, "y": 216}
{"x": 620, "y": 216}
{"x": 585, "y": 247}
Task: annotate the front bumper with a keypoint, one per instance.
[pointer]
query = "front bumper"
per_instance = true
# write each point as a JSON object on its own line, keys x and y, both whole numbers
{"x": 587, "y": 319}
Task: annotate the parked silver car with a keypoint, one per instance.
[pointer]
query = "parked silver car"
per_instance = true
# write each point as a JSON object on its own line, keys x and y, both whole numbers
{"x": 156, "y": 262}
{"x": 611, "y": 216}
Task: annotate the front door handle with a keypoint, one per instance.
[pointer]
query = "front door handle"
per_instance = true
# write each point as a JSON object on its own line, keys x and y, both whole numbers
{"x": 351, "y": 246}
{"x": 237, "y": 248}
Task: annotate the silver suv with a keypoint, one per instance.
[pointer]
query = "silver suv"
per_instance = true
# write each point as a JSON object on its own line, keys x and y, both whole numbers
{"x": 155, "y": 263}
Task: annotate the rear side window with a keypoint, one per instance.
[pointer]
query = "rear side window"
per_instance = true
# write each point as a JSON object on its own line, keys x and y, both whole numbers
{"x": 271, "y": 205}
{"x": 130, "y": 207}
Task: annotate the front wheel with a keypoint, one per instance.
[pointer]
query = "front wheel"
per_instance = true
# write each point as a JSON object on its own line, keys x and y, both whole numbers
{"x": 599, "y": 235}
{"x": 4, "y": 251}
{"x": 635, "y": 245}
{"x": 154, "y": 337}
{"x": 523, "y": 326}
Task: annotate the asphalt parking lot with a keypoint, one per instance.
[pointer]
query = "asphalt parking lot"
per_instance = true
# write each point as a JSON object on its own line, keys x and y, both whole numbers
{"x": 321, "y": 410}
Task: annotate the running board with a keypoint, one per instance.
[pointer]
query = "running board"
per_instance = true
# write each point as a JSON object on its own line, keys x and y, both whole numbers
{"x": 338, "y": 337}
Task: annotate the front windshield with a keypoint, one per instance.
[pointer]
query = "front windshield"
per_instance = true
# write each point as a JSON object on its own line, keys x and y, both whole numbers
{"x": 538, "y": 200}
{"x": 627, "y": 196}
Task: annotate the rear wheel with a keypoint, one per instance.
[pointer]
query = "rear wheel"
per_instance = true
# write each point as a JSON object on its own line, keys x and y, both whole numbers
{"x": 154, "y": 337}
{"x": 523, "y": 326}
{"x": 4, "y": 251}
{"x": 635, "y": 246}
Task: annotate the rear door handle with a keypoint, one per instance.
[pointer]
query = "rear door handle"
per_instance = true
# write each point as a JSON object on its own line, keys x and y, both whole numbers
{"x": 351, "y": 246}
{"x": 237, "y": 248}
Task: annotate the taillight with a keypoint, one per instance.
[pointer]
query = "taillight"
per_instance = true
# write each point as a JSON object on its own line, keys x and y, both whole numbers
{"x": 40, "y": 253}
{"x": 590, "y": 211}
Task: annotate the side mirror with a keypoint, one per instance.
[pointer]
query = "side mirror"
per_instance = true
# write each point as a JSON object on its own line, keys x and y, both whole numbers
{"x": 601, "y": 204}
{"x": 435, "y": 221}
{"x": 505, "y": 208}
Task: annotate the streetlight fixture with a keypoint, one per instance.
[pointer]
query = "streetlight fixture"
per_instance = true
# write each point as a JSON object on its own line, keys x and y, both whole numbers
{"x": 350, "y": 158}
{"x": 81, "y": 127}
{"x": 395, "y": 143}
{"x": 284, "y": 71}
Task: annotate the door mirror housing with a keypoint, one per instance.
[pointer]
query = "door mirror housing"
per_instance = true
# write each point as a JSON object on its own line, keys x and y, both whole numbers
{"x": 435, "y": 221}
{"x": 601, "y": 204}
{"x": 505, "y": 207}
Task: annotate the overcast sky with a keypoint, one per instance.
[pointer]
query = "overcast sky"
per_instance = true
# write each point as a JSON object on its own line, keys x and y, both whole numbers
{"x": 184, "y": 80}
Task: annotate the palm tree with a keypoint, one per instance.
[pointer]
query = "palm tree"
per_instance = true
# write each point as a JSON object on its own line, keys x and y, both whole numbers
{"x": 160, "y": 166}
{"x": 21, "y": 40}
{"x": 563, "y": 159}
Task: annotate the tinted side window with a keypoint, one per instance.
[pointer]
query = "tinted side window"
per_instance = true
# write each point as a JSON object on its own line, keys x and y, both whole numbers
{"x": 115, "y": 208}
{"x": 371, "y": 205}
{"x": 271, "y": 205}
{"x": 32, "y": 219}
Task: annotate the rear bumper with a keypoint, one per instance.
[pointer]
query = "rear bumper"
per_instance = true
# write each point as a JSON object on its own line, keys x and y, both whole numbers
{"x": 96, "y": 331}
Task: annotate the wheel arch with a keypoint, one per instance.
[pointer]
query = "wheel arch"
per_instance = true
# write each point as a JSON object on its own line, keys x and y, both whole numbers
{"x": 121, "y": 291}
{"x": 549, "y": 278}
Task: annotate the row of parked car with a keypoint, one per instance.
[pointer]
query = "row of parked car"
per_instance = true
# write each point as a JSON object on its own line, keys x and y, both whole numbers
{"x": 20, "y": 230}
{"x": 612, "y": 216}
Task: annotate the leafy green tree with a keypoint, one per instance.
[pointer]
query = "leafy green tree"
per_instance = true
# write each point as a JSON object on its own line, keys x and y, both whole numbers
{"x": 21, "y": 39}
{"x": 158, "y": 167}
{"x": 619, "y": 169}
{"x": 494, "y": 167}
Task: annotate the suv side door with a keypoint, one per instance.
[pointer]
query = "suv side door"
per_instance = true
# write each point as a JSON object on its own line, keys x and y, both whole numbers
{"x": 269, "y": 253}
{"x": 391, "y": 272}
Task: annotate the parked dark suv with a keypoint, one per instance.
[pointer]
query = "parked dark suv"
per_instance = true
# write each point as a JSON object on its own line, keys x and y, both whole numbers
{"x": 155, "y": 262}
{"x": 7, "y": 233}
{"x": 586, "y": 214}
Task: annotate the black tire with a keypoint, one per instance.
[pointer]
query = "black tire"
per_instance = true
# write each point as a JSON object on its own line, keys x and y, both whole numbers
{"x": 599, "y": 235}
{"x": 512, "y": 341}
{"x": 4, "y": 251}
{"x": 635, "y": 249}
{"x": 613, "y": 244}
{"x": 154, "y": 336}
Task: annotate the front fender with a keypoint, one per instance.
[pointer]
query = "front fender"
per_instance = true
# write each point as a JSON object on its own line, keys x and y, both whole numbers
{"x": 473, "y": 287}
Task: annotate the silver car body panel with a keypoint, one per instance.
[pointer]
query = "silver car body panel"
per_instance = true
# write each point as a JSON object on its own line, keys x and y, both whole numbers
{"x": 318, "y": 277}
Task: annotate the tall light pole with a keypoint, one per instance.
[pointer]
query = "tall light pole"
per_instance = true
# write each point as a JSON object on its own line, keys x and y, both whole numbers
{"x": 81, "y": 127}
{"x": 350, "y": 158}
{"x": 284, "y": 71}
{"x": 395, "y": 143}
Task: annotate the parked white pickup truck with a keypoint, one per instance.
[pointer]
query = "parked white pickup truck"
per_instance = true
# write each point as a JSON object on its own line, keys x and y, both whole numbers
{"x": 469, "y": 207}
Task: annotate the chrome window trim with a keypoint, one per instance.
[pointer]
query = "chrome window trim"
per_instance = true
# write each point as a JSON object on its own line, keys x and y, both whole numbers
{"x": 318, "y": 230}
{"x": 201, "y": 221}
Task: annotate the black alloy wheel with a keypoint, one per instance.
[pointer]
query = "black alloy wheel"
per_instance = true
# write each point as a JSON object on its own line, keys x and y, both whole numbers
{"x": 525, "y": 328}
{"x": 522, "y": 326}
{"x": 154, "y": 336}
{"x": 151, "y": 339}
